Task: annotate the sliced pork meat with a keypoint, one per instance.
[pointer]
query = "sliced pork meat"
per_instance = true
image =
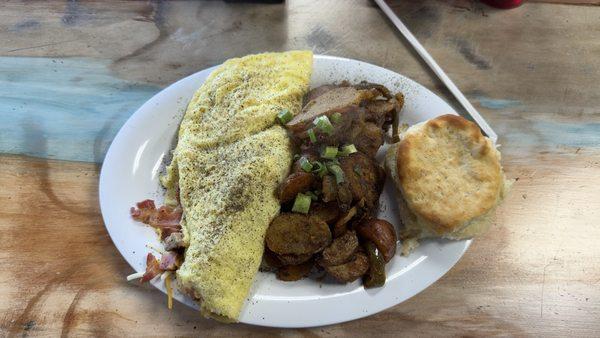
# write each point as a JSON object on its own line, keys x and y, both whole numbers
{"x": 328, "y": 103}
{"x": 381, "y": 89}
{"x": 380, "y": 111}
{"x": 352, "y": 127}
{"x": 367, "y": 138}
{"x": 318, "y": 91}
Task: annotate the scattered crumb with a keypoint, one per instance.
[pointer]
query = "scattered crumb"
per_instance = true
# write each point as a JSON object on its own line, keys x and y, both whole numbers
{"x": 408, "y": 245}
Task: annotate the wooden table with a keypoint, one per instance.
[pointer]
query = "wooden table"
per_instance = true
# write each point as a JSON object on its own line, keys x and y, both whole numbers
{"x": 72, "y": 72}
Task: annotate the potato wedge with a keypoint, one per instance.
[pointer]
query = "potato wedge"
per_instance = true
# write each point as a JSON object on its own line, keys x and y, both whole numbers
{"x": 290, "y": 273}
{"x": 341, "y": 250}
{"x": 351, "y": 271}
{"x": 270, "y": 262}
{"x": 297, "y": 234}
{"x": 295, "y": 183}
{"x": 328, "y": 212}
{"x": 365, "y": 178}
{"x": 291, "y": 259}
{"x": 382, "y": 234}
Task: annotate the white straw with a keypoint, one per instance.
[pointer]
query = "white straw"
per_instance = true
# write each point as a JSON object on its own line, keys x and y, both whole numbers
{"x": 437, "y": 70}
{"x": 136, "y": 275}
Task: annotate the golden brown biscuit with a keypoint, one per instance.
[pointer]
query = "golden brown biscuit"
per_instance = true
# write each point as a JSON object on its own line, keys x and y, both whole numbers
{"x": 449, "y": 178}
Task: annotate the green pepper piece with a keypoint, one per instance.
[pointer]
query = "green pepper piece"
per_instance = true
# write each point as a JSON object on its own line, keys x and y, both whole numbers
{"x": 375, "y": 277}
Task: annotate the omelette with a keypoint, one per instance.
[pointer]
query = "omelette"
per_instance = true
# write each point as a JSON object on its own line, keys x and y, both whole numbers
{"x": 230, "y": 157}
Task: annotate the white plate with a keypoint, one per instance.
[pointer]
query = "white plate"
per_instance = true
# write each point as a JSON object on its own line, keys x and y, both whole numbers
{"x": 135, "y": 159}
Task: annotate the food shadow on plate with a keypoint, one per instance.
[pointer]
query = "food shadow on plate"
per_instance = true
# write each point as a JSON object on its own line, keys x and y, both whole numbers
{"x": 321, "y": 278}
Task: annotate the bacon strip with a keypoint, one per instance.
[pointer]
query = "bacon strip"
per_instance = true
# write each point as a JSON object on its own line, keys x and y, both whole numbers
{"x": 165, "y": 218}
{"x": 144, "y": 210}
{"x": 152, "y": 268}
{"x": 170, "y": 260}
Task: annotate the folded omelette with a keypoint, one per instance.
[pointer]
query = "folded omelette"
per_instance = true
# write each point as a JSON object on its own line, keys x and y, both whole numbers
{"x": 230, "y": 157}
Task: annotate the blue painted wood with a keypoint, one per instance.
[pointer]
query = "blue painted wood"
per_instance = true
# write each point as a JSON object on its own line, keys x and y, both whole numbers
{"x": 71, "y": 108}
{"x": 575, "y": 135}
{"x": 491, "y": 103}
{"x": 64, "y": 108}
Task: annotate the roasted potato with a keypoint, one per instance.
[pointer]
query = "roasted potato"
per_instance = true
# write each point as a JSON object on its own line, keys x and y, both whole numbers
{"x": 270, "y": 261}
{"x": 345, "y": 195}
{"x": 350, "y": 271}
{"x": 381, "y": 233}
{"x": 328, "y": 212}
{"x": 340, "y": 227}
{"x": 347, "y": 200}
{"x": 291, "y": 259}
{"x": 341, "y": 250}
{"x": 329, "y": 189}
{"x": 290, "y": 273}
{"x": 365, "y": 178}
{"x": 295, "y": 183}
{"x": 297, "y": 234}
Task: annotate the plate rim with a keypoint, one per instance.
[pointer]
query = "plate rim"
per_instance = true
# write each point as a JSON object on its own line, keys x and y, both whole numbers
{"x": 137, "y": 115}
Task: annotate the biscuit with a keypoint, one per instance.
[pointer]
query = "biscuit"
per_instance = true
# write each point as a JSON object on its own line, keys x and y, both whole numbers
{"x": 448, "y": 176}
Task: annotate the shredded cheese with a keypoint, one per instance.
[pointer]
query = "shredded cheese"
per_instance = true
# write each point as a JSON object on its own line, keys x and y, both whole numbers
{"x": 136, "y": 275}
{"x": 169, "y": 290}
{"x": 164, "y": 276}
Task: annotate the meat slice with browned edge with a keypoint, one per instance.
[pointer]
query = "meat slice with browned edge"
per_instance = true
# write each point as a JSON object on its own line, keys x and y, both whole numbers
{"x": 328, "y": 102}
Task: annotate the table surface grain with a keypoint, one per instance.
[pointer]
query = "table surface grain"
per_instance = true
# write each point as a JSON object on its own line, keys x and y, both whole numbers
{"x": 72, "y": 72}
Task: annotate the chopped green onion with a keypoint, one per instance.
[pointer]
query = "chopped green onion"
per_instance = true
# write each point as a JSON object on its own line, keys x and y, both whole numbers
{"x": 305, "y": 164}
{"x": 296, "y": 157}
{"x": 329, "y": 152}
{"x": 347, "y": 150}
{"x": 333, "y": 161}
{"x": 336, "y": 117}
{"x": 319, "y": 168}
{"x": 312, "y": 195}
{"x": 323, "y": 124}
{"x": 285, "y": 116}
{"x": 301, "y": 203}
{"x": 312, "y": 136}
{"x": 357, "y": 170}
{"x": 337, "y": 172}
